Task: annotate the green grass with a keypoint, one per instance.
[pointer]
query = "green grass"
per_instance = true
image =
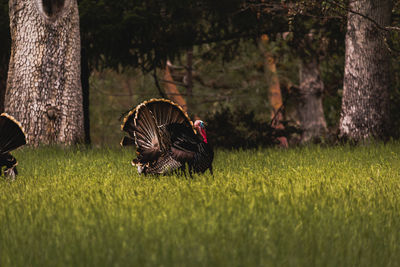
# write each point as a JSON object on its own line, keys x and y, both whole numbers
{"x": 301, "y": 207}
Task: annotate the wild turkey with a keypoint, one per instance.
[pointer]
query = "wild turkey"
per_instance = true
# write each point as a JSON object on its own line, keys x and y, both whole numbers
{"x": 166, "y": 139}
{"x": 12, "y": 136}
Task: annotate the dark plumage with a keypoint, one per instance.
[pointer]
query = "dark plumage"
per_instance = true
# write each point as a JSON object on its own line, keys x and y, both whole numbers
{"x": 166, "y": 139}
{"x": 12, "y": 136}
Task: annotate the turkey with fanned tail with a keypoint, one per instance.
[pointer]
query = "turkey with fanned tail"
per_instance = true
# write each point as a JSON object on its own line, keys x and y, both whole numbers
{"x": 12, "y": 136}
{"x": 166, "y": 139}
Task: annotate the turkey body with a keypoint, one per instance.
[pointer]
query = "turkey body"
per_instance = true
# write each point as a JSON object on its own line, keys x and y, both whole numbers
{"x": 165, "y": 139}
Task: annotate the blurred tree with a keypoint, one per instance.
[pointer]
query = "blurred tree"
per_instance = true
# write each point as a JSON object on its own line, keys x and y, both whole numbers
{"x": 171, "y": 90}
{"x": 43, "y": 87}
{"x": 310, "y": 93}
{"x": 365, "y": 103}
{"x": 274, "y": 90}
{"x": 316, "y": 34}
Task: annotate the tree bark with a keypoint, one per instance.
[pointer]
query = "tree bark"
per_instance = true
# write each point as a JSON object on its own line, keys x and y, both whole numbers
{"x": 44, "y": 90}
{"x": 310, "y": 109}
{"x": 171, "y": 89}
{"x": 274, "y": 91}
{"x": 189, "y": 78}
{"x": 366, "y": 83}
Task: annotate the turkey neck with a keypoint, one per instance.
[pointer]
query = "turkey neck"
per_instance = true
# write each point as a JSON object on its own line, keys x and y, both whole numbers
{"x": 203, "y": 134}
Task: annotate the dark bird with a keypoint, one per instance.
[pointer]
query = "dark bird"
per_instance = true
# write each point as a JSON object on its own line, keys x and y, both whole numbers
{"x": 12, "y": 136}
{"x": 166, "y": 139}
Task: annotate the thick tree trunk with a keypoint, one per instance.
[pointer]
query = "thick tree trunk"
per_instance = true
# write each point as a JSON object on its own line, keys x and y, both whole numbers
{"x": 310, "y": 109}
{"x": 367, "y": 73}
{"x": 44, "y": 89}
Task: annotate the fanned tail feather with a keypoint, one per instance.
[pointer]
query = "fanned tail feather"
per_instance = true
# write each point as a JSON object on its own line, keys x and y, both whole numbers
{"x": 146, "y": 134}
{"x": 167, "y": 112}
{"x": 12, "y": 134}
{"x": 129, "y": 123}
{"x": 164, "y": 112}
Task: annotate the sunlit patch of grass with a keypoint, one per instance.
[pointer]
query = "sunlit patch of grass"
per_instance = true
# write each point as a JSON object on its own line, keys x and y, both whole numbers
{"x": 300, "y": 207}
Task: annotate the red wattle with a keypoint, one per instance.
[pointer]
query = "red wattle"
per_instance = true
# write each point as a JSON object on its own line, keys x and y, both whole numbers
{"x": 203, "y": 133}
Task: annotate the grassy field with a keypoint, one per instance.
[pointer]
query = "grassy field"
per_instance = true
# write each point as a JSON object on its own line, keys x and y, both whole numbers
{"x": 301, "y": 207}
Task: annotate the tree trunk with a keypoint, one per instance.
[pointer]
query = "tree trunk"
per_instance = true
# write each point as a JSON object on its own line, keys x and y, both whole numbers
{"x": 274, "y": 91}
{"x": 189, "y": 78}
{"x": 366, "y": 81}
{"x": 310, "y": 109}
{"x": 171, "y": 89}
{"x": 44, "y": 89}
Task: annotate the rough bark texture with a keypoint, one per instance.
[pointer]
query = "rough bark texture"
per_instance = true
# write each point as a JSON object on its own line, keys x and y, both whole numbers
{"x": 310, "y": 109}
{"x": 366, "y": 78}
{"x": 44, "y": 87}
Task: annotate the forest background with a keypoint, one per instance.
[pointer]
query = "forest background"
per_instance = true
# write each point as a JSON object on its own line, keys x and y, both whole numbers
{"x": 223, "y": 58}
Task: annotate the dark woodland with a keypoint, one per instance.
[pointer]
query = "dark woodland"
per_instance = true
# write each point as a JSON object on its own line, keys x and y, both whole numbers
{"x": 260, "y": 73}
